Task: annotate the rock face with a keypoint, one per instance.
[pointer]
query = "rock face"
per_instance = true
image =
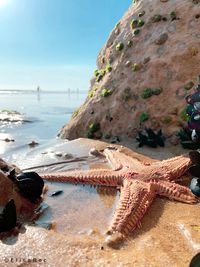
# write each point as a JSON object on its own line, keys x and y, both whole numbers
{"x": 148, "y": 66}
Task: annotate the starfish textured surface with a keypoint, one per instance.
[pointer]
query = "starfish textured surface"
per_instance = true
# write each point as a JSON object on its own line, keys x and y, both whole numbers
{"x": 139, "y": 182}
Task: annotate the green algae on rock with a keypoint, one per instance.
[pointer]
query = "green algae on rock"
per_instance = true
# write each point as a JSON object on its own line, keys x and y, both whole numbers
{"x": 141, "y": 14}
{"x": 166, "y": 119}
{"x": 130, "y": 43}
{"x": 108, "y": 68}
{"x": 156, "y": 18}
{"x": 136, "y": 67}
{"x": 136, "y": 31}
{"x": 119, "y": 46}
{"x": 106, "y": 92}
{"x": 93, "y": 128}
{"x": 189, "y": 85}
{"x": 126, "y": 94}
{"x": 148, "y": 92}
{"x": 144, "y": 116}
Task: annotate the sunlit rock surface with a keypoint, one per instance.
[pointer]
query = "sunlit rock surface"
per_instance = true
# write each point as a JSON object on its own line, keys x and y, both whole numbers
{"x": 145, "y": 71}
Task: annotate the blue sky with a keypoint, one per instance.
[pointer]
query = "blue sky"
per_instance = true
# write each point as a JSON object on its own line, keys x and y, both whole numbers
{"x": 53, "y": 43}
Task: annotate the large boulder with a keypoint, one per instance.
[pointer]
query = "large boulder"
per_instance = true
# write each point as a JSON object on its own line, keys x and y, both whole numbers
{"x": 148, "y": 66}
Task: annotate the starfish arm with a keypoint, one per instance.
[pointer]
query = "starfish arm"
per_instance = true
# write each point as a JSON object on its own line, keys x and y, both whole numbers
{"x": 174, "y": 168}
{"x": 135, "y": 198}
{"x": 175, "y": 191}
{"x": 118, "y": 160}
{"x": 93, "y": 177}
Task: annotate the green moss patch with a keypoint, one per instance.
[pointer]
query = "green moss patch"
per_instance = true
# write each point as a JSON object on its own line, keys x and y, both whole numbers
{"x": 108, "y": 68}
{"x": 141, "y": 14}
{"x": 127, "y": 94}
{"x": 136, "y": 31}
{"x": 148, "y": 92}
{"x": 184, "y": 116}
{"x": 188, "y": 85}
{"x": 166, "y": 120}
{"x": 173, "y": 15}
{"x": 106, "y": 92}
{"x": 93, "y": 128}
{"x": 156, "y": 18}
{"x": 119, "y": 46}
{"x": 75, "y": 113}
{"x": 130, "y": 43}
{"x": 144, "y": 116}
{"x": 136, "y": 67}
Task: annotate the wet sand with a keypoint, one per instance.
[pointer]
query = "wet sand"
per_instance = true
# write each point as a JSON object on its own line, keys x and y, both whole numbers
{"x": 169, "y": 236}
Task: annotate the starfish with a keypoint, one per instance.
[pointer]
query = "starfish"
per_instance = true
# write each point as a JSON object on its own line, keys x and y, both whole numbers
{"x": 139, "y": 181}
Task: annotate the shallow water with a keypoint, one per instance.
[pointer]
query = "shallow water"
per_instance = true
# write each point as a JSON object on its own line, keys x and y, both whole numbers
{"x": 48, "y": 112}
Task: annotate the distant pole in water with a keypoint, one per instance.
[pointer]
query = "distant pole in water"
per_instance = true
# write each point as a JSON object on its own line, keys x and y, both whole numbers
{"x": 38, "y": 93}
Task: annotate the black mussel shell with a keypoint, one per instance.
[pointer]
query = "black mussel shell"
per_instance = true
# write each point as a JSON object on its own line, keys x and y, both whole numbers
{"x": 8, "y": 218}
{"x": 151, "y": 143}
{"x": 194, "y": 170}
{"x": 195, "y": 186}
{"x": 30, "y": 185}
{"x": 190, "y": 145}
{"x": 56, "y": 193}
{"x": 195, "y": 157}
{"x": 151, "y": 138}
{"x": 184, "y": 134}
{"x": 151, "y": 134}
{"x": 11, "y": 174}
{"x": 195, "y": 262}
{"x": 160, "y": 139}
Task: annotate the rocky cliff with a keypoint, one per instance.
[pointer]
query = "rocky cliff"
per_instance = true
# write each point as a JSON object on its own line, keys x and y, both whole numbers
{"x": 148, "y": 66}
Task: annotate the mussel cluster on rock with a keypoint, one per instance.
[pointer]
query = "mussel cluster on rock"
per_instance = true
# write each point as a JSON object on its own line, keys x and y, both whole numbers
{"x": 195, "y": 171}
{"x": 190, "y": 138}
{"x": 150, "y": 138}
{"x": 29, "y": 185}
{"x": 187, "y": 140}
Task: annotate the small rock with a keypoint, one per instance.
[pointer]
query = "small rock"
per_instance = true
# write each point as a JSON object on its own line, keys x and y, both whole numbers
{"x": 164, "y": 1}
{"x": 58, "y": 154}
{"x": 68, "y": 156}
{"x": 45, "y": 225}
{"x": 115, "y": 240}
{"x": 115, "y": 139}
{"x": 162, "y": 39}
{"x": 9, "y": 140}
{"x": 44, "y": 206}
{"x": 94, "y": 152}
{"x": 117, "y": 31}
{"x": 128, "y": 63}
{"x": 195, "y": 186}
{"x": 56, "y": 193}
{"x": 33, "y": 143}
{"x": 146, "y": 60}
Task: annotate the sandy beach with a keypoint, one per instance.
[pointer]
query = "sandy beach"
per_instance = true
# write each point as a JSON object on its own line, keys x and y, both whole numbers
{"x": 169, "y": 235}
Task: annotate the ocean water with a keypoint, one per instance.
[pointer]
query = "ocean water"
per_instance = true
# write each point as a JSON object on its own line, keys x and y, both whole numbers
{"x": 47, "y": 113}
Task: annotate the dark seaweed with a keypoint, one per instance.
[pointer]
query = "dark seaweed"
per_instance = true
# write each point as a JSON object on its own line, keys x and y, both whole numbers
{"x": 150, "y": 138}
